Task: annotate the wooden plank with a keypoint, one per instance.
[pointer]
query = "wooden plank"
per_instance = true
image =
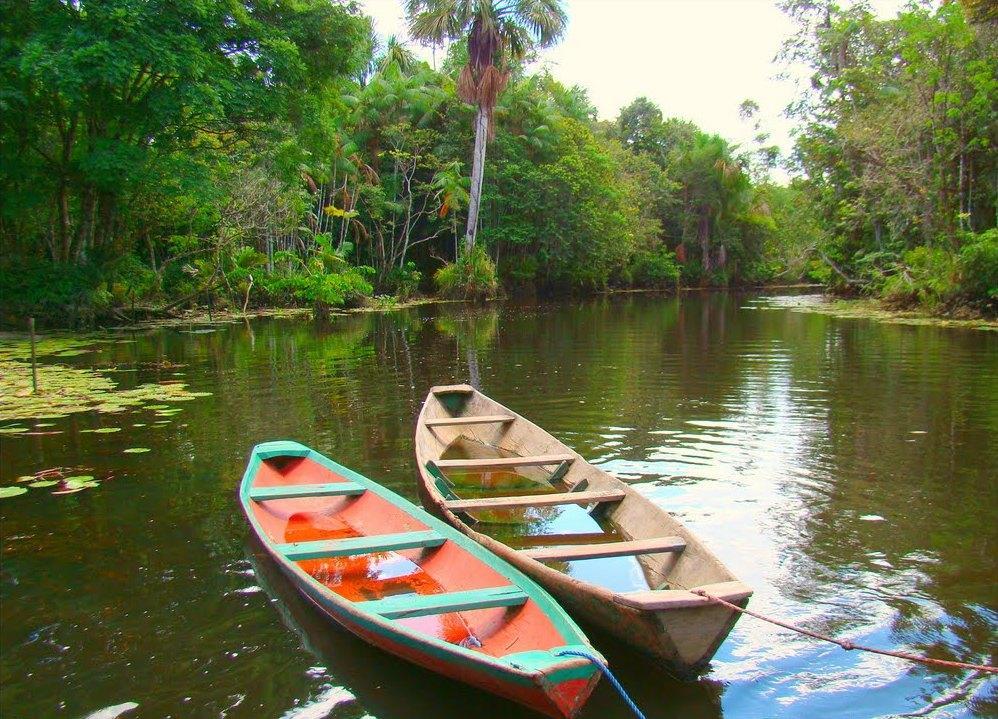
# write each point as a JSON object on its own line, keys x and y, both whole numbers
{"x": 327, "y": 548}
{"x": 419, "y": 605}
{"x": 452, "y": 389}
{"x": 609, "y": 549}
{"x": 535, "y": 500}
{"x": 662, "y": 599}
{"x": 473, "y": 419}
{"x": 289, "y": 491}
{"x": 503, "y": 462}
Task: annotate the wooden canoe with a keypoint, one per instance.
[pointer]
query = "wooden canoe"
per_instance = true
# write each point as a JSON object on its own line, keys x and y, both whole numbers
{"x": 665, "y": 620}
{"x": 408, "y": 583}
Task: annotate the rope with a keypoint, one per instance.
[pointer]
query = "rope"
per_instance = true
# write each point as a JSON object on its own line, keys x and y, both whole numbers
{"x": 601, "y": 665}
{"x": 846, "y": 644}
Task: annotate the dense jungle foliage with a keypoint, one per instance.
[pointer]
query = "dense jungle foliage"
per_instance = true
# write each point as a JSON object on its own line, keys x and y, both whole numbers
{"x": 156, "y": 155}
{"x": 897, "y": 144}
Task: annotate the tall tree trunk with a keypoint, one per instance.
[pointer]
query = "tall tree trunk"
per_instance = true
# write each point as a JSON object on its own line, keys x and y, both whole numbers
{"x": 704, "y": 231}
{"x": 107, "y": 217}
{"x": 65, "y": 235}
{"x": 85, "y": 240}
{"x": 477, "y": 174}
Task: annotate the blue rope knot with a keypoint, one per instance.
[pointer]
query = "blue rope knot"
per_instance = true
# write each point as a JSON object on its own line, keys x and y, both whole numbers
{"x": 601, "y": 665}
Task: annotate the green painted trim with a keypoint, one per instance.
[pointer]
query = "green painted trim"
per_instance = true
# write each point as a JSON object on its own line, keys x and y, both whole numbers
{"x": 445, "y": 487}
{"x": 540, "y": 660}
{"x": 333, "y": 489}
{"x": 439, "y": 649}
{"x": 328, "y": 548}
{"x": 435, "y": 471}
{"x": 419, "y": 605}
{"x": 281, "y": 448}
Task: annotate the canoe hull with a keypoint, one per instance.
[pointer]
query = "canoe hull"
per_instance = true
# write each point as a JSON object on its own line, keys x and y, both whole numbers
{"x": 540, "y": 678}
{"x": 683, "y": 638}
{"x": 560, "y": 697}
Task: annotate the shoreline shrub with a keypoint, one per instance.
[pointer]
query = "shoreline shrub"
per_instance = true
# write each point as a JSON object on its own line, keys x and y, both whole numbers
{"x": 473, "y": 276}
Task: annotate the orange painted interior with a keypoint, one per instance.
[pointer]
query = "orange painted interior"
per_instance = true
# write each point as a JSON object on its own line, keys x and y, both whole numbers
{"x": 448, "y": 568}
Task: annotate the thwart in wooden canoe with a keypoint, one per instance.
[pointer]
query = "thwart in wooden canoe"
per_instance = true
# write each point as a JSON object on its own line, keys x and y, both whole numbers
{"x": 662, "y": 616}
{"x": 408, "y": 583}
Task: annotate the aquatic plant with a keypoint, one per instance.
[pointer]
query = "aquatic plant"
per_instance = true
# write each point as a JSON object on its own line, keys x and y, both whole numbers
{"x": 65, "y": 390}
{"x": 62, "y": 480}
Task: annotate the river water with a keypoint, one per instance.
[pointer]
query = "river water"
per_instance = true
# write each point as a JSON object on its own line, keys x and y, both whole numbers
{"x": 846, "y": 469}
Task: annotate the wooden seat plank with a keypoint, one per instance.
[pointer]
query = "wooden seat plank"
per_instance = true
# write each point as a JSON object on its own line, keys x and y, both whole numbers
{"x": 535, "y": 500}
{"x": 503, "y": 462}
{"x": 473, "y": 419}
{"x": 608, "y": 549}
{"x": 289, "y": 491}
{"x": 328, "y": 548}
{"x": 659, "y": 599}
{"x": 418, "y": 605}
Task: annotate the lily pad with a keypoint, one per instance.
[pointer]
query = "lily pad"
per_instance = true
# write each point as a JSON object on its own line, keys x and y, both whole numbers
{"x": 136, "y": 450}
{"x": 44, "y": 483}
{"x": 12, "y": 430}
{"x": 67, "y": 390}
{"x": 103, "y": 430}
{"x": 80, "y": 483}
{"x": 12, "y": 491}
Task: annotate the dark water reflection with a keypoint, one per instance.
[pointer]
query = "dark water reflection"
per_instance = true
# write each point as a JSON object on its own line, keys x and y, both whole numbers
{"x": 845, "y": 469}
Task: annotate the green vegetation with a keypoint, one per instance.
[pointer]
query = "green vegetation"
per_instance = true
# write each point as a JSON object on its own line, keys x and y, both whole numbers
{"x": 897, "y": 145}
{"x": 278, "y": 157}
{"x": 65, "y": 390}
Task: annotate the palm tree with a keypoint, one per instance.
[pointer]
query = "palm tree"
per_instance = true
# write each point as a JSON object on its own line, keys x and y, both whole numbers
{"x": 499, "y": 32}
{"x": 397, "y": 56}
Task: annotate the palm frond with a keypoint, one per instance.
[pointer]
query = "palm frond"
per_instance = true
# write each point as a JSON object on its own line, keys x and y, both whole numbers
{"x": 467, "y": 89}
{"x": 546, "y": 20}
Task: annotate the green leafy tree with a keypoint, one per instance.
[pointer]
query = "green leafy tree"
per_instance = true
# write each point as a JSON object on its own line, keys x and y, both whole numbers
{"x": 499, "y": 33}
{"x": 99, "y": 94}
{"x": 897, "y": 139}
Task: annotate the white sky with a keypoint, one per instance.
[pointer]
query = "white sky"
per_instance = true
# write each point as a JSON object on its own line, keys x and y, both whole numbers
{"x": 696, "y": 59}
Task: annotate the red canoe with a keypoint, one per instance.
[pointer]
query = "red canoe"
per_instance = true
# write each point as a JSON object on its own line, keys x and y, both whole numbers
{"x": 410, "y": 584}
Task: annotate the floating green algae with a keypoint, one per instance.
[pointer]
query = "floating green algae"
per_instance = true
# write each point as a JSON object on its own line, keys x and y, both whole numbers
{"x": 19, "y": 347}
{"x": 65, "y": 390}
{"x": 869, "y": 309}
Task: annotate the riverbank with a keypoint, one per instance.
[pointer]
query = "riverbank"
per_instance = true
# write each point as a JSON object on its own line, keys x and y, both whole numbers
{"x": 874, "y": 309}
{"x": 820, "y": 302}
